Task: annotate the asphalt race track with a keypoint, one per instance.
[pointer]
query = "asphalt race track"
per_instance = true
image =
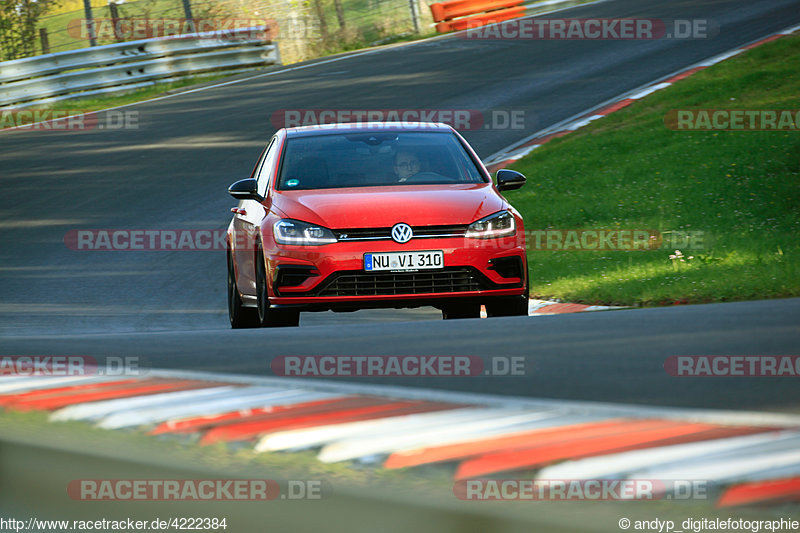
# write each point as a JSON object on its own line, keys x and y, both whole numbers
{"x": 611, "y": 356}
{"x": 172, "y": 173}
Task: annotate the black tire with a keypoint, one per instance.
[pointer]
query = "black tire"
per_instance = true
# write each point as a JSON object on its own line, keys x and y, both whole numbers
{"x": 271, "y": 318}
{"x": 461, "y": 310}
{"x": 239, "y": 315}
{"x": 507, "y": 306}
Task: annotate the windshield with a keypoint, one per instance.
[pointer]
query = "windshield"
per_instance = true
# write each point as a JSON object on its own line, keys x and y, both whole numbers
{"x": 375, "y": 159}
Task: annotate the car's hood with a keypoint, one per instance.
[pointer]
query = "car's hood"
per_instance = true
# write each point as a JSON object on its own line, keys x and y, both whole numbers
{"x": 382, "y": 207}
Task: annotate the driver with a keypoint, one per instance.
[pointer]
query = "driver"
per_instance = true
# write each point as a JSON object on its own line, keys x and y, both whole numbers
{"x": 406, "y": 165}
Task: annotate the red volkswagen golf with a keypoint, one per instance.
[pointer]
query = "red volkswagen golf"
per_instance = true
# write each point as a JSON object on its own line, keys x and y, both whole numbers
{"x": 354, "y": 216}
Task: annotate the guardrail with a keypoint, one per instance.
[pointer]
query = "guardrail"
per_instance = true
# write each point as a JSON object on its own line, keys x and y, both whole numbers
{"x": 462, "y": 14}
{"x": 124, "y": 66}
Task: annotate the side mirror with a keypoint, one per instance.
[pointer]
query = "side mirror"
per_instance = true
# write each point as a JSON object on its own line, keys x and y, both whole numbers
{"x": 509, "y": 180}
{"x": 245, "y": 190}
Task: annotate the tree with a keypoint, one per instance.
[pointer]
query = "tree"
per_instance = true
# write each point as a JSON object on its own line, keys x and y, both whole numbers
{"x": 18, "y": 26}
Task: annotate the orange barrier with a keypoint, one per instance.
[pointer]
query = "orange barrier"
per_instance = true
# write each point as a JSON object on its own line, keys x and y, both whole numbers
{"x": 462, "y": 14}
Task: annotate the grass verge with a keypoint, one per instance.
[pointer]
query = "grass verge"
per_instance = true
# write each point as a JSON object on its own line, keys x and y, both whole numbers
{"x": 85, "y": 105}
{"x": 98, "y": 103}
{"x": 741, "y": 189}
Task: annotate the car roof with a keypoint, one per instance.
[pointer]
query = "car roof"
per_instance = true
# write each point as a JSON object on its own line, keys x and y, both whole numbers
{"x": 362, "y": 127}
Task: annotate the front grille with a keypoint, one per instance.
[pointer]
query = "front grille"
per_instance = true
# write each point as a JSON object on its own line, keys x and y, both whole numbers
{"x": 385, "y": 234}
{"x": 357, "y": 283}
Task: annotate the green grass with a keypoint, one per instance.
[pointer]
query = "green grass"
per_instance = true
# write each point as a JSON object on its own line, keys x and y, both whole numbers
{"x": 628, "y": 170}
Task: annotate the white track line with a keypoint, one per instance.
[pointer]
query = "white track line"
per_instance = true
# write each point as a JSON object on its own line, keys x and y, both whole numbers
{"x": 459, "y": 428}
{"x": 722, "y": 57}
{"x": 649, "y": 90}
{"x": 50, "y": 382}
{"x": 147, "y": 416}
{"x": 762, "y": 465}
{"x": 731, "y": 464}
{"x": 100, "y": 409}
{"x": 621, "y": 465}
{"x": 583, "y": 122}
{"x": 501, "y": 432}
{"x": 316, "y": 436}
{"x": 574, "y": 407}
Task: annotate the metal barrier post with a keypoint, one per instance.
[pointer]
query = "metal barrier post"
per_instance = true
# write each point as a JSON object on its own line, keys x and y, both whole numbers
{"x": 412, "y": 4}
{"x": 112, "y": 9}
{"x": 87, "y": 9}
{"x": 187, "y": 10}
{"x": 45, "y": 41}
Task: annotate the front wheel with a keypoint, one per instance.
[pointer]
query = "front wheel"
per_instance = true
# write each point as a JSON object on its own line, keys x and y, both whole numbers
{"x": 239, "y": 315}
{"x": 268, "y": 317}
{"x": 509, "y": 305}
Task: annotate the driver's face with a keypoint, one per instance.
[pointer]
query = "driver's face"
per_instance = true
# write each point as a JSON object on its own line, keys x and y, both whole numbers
{"x": 406, "y": 165}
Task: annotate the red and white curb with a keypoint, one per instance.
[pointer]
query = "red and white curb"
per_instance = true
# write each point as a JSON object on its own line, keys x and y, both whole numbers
{"x": 752, "y": 457}
{"x": 522, "y": 148}
{"x": 548, "y": 307}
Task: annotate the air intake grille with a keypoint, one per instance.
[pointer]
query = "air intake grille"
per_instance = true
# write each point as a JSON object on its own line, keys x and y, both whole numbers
{"x": 357, "y": 283}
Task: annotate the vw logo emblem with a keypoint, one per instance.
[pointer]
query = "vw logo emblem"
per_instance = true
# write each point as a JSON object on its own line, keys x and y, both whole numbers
{"x": 402, "y": 233}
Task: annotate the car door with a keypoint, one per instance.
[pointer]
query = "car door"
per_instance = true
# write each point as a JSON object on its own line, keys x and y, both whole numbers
{"x": 247, "y": 222}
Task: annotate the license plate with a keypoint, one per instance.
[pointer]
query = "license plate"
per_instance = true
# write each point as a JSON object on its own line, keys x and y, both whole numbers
{"x": 426, "y": 260}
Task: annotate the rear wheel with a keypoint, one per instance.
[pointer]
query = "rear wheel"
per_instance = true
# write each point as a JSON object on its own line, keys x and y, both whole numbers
{"x": 461, "y": 310}
{"x": 239, "y": 316}
{"x": 268, "y": 317}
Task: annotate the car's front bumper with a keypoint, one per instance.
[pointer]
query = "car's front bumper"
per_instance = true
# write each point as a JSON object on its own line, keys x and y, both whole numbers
{"x": 333, "y": 277}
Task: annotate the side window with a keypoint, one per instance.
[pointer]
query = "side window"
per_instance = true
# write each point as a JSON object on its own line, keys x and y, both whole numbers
{"x": 265, "y": 172}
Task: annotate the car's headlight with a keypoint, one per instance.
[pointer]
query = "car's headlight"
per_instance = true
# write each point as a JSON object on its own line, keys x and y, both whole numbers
{"x": 302, "y": 233}
{"x": 499, "y": 224}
